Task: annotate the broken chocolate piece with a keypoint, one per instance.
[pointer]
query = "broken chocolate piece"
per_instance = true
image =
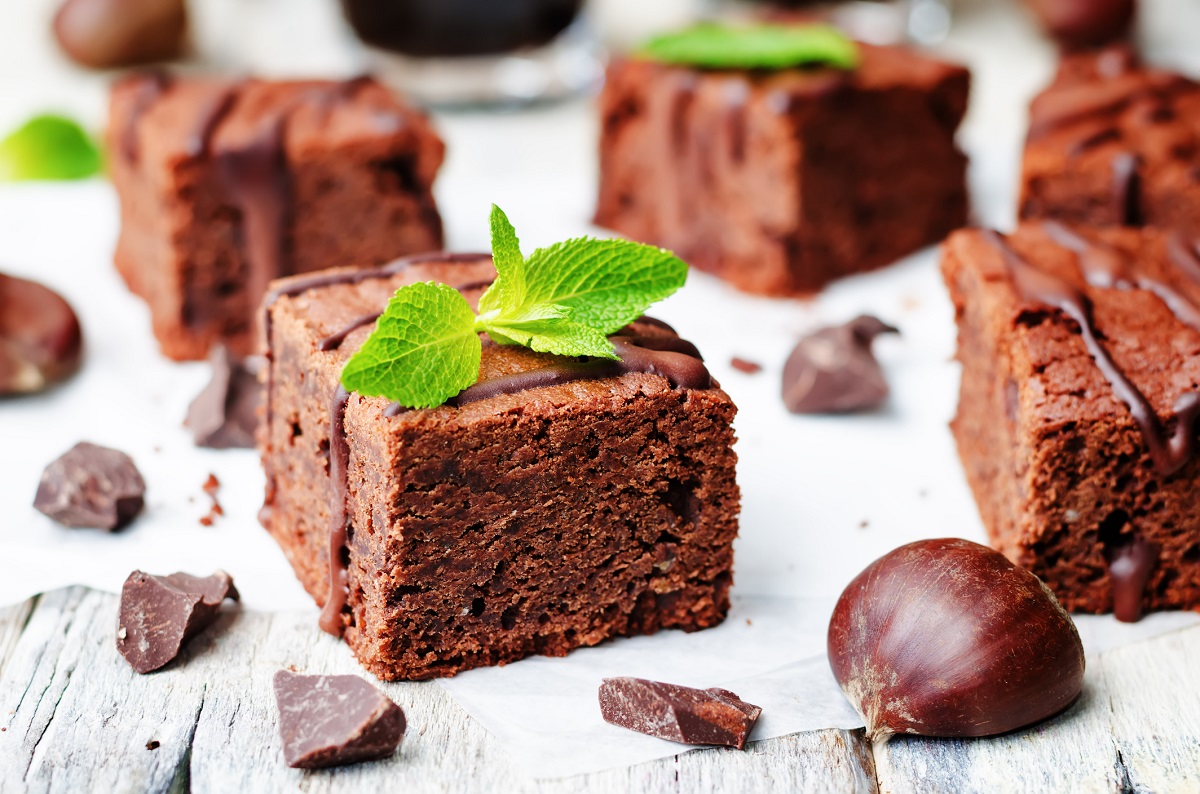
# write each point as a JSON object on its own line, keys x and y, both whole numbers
{"x": 159, "y": 614}
{"x": 834, "y": 371}
{"x": 91, "y": 486}
{"x": 40, "y": 339}
{"x": 331, "y": 720}
{"x": 745, "y": 365}
{"x": 678, "y": 713}
{"x": 225, "y": 414}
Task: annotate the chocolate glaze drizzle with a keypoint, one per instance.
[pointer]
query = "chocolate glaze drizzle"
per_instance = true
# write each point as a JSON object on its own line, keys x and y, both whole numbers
{"x": 1129, "y": 571}
{"x": 150, "y": 86}
{"x": 1035, "y": 285}
{"x": 1184, "y": 254}
{"x": 1108, "y": 268}
{"x": 1110, "y": 97}
{"x": 339, "y": 478}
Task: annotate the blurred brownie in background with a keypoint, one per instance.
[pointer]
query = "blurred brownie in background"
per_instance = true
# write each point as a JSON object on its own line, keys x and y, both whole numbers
{"x": 780, "y": 182}
{"x": 1114, "y": 143}
{"x": 225, "y": 185}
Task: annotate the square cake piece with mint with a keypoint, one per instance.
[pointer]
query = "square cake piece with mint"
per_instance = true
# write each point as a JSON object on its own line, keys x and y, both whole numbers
{"x": 782, "y": 158}
{"x": 545, "y": 502}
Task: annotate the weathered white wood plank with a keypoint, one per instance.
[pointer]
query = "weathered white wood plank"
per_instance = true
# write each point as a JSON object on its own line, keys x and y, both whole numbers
{"x": 12, "y": 624}
{"x": 1073, "y": 752}
{"x": 78, "y": 718}
{"x": 1155, "y": 700}
{"x": 819, "y": 761}
{"x": 81, "y": 719}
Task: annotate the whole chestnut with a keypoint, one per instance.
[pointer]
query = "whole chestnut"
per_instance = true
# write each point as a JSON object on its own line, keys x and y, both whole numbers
{"x": 1079, "y": 24}
{"x": 107, "y": 33}
{"x": 948, "y": 638}
{"x": 40, "y": 339}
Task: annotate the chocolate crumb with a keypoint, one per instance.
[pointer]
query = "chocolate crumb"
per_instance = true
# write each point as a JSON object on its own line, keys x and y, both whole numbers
{"x": 159, "y": 614}
{"x": 745, "y": 365}
{"x": 863, "y": 524}
{"x": 834, "y": 371}
{"x": 153, "y": 744}
{"x": 331, "y": 720}
{"x": 678, "y": 713}
{"x": 91, "y": 486}
{"x": 211, "y": 486}
{"x": 225, "y": 414}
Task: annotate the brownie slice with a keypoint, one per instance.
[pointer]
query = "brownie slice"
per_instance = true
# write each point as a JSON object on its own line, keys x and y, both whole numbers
{"x": 782, "y": 182}
{"x": 555, "y": 504}
{"x": 1114, "y": 143}
{"x": 1076, "y": 420}
{"x": 225, "y": 185}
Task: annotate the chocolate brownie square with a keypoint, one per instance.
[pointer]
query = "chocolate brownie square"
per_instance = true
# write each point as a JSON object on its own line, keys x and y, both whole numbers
{"x": 1114, "y": 143}
{"x": 780, "y": 182}
{"x": 225, "y": 185}
{"x": 1077, "y": 414}
{"x": 554, "y": 504}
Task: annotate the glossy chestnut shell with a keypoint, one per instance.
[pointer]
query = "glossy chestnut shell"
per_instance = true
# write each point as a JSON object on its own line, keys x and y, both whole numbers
{"x": 948, "y": 638}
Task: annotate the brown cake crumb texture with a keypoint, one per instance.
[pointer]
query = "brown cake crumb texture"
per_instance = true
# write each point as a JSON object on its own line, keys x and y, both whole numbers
{"x": 781, "y": 182}
{"x": 1062, "y": 474}
{"x": 526, "y": 523}
{"x": 1113, "y": 142}
{"x": 226, "y": 185}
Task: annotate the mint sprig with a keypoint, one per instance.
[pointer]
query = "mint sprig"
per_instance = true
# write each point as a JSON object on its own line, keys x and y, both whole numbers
{"x": 758, "y": 46}
{"x": 48, "y": 147}
{"x": 565, "y": 299}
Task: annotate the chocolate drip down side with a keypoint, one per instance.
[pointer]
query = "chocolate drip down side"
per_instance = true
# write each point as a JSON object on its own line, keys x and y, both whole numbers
{"x": 149, "y": 88}
{"x": 1037, "y": 286}
{"x": 1127, "y": 189}
{"x": 339, "y": 479}
{"x": 1129, "y": 571}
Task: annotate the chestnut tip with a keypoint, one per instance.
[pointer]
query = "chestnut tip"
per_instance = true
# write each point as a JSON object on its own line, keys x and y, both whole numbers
{"x": 948, "y": 638}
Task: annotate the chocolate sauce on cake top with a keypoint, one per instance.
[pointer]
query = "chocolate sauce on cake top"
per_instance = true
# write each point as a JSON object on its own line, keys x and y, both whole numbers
{"x": 1169, "y": 454}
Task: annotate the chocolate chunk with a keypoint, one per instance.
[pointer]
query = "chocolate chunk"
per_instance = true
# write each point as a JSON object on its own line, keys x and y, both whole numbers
{"x": 225, "y": 414}
{"x": 40, "y": 339}
{"x": 331, "y": 720}
{"x": 91, "y": 486}
{"x": 107, "y": 33}
{"x": 745, "y": 365}
{"x": 834, "y": 371}
{"x": 159, "y": 614}
{"x": 678, "y": 713}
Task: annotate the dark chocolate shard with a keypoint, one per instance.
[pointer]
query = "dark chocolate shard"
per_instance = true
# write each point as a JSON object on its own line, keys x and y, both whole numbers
{"x": 833, "y": 370}
{"x": 91, "y": 487}
{"x": 225, "y": 414}
{"x": 678, "y": 713}
{"x": 159, "y": 614}
{"x": 331, "y": 720}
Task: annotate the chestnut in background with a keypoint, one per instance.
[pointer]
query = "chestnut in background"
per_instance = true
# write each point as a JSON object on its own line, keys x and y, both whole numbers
{"x": 1082, "y": 24}
{"x": 103, "y": 34}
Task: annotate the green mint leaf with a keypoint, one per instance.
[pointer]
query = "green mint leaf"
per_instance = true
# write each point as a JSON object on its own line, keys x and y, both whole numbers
{"x": 559, "y": 335}
{"x": 48, "y": 147}
{"x": 508, "y": 288}
{"x": 606, "y": 284}
{"x": 759, "y": 46}
{"x": 423, "y": 351}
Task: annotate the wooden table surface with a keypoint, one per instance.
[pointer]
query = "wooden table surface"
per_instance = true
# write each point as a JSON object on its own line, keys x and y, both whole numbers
{"x": 75, "y": 717}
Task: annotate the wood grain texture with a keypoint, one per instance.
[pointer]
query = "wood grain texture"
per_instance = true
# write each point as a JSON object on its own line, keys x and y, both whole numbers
{"x": 75, "y": 717}
{"x": 78, "y": 718}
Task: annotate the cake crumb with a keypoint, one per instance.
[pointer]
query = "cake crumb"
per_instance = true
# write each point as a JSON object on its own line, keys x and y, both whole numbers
{"x": 211, "y": 486}
{"x": 745, "y": 365}
{"x": 864, "y": 524}
{"x": 152, "y": 744}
